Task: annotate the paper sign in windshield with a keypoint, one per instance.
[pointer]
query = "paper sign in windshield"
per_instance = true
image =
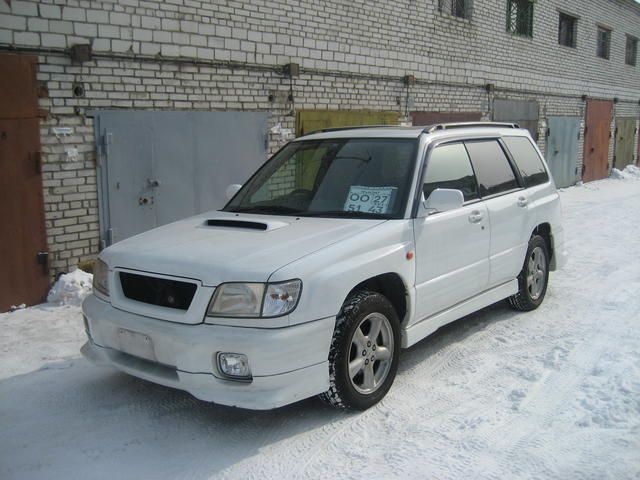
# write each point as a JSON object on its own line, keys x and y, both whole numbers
{"x": 370, "y": 199}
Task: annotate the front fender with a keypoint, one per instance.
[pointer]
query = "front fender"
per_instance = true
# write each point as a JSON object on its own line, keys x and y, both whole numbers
{"x": 328, "y": 275}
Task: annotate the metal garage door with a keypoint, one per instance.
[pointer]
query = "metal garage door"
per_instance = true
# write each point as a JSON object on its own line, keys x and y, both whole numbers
{"x": 431, "y": 118}
{"x": 522, "y": 112}
{"x": 311, "y": 120}
{"x": 158, "y": 167}
{"x": 596, "y": 140}
{"x": 23, "y": 270}
{"x": 562, "y": 149}
{"x": 625, "y": 142}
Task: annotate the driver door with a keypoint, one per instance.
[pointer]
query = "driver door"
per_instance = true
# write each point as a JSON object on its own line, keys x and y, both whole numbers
{"x": 452, "y": 247}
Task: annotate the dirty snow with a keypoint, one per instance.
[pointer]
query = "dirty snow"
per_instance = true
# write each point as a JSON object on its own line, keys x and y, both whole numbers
{"x": 630, "y": 172}
{"x": 71, "y": 288}
{"x": 553, "y": 393}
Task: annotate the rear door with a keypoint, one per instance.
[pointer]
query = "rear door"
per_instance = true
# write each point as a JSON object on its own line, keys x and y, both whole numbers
{"x": 508, "y": 207}
{"x": 451, "y": 247}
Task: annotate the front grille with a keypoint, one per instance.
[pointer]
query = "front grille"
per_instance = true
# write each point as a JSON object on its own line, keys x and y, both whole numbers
{"x": 157, "y": 291}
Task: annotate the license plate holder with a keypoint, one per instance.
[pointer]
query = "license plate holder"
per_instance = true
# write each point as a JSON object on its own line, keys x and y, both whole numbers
{"x": 136, "y": 344}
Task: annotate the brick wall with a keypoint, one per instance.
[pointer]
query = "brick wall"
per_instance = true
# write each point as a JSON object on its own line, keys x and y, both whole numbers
{"x": 219, "y": 55}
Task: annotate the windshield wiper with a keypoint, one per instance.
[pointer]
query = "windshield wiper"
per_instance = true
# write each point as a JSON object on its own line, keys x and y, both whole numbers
{"x": 274, "y": 209}
{"x": 346, "y": 214}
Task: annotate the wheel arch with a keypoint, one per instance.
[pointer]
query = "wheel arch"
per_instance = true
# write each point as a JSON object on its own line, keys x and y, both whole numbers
{"x": 392, "y": 287}
{"x": 544, "y": 230}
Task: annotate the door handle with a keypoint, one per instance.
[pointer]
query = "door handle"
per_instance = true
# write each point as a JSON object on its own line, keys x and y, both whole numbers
{"x": 43, "y": 259}
{"x": 476, "y": 216}
{"x": 523, "y": 202}
{"x": 153, "y": 183}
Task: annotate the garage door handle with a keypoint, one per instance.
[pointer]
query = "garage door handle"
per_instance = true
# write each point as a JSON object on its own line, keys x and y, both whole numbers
{"x": 523, "y": 202}
{"x": 152, "y": 182}
{"x": 476, "y": 216}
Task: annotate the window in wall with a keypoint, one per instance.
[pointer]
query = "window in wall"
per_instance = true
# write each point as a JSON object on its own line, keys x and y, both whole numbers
{"x": 449, "y": 167}
{"x": 567, "y": 30}
{"x": 520, "y": 17}
{"x": 631, "y": 53}
{"x": 604, "y": 42}
{"x": 493, "y": 170}
{"x": 457, "y": 8}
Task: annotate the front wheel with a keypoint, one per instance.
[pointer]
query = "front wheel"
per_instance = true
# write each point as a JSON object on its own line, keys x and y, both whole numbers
{"x": 364, "y": 354}
{"x": 533, "y": 278}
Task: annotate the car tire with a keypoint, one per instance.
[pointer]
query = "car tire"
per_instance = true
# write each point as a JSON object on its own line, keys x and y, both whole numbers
{"x": 361, "y": 368}
{"x": 533, "y": 278}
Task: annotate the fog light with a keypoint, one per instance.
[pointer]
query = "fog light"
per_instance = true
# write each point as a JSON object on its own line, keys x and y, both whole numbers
{"x": 234, "y": 365}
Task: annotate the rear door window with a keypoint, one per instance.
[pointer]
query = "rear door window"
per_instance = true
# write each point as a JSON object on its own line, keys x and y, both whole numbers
{"x": 492, "y": 168}
{"x": 527, "y": 160}
{"x": 449, "y": 167}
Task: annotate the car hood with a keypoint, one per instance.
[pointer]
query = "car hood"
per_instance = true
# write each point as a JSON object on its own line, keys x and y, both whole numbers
{"x": 218, "y": 247}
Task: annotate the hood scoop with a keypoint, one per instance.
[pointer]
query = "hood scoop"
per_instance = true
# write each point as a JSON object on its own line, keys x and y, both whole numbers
{"x": 244, "y": 224}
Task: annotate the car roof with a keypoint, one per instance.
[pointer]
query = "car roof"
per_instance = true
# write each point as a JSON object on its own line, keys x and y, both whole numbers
{"x": 393, "y": 131}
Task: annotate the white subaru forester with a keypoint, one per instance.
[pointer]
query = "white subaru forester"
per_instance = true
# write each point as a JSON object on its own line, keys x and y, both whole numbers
{"x": 343, "y": 248}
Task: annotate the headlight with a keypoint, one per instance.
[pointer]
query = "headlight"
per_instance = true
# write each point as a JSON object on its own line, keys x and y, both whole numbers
{"x": 255, "y": 299}
{"x": 101, "y": 277}
{"x": 237, "y": 300}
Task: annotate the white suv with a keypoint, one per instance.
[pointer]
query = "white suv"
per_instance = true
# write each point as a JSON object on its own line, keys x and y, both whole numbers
{"x": 343, "y": 248}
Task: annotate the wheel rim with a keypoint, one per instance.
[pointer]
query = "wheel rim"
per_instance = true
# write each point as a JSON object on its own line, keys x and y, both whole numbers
{"x": 371, "y": 353}
{"x": 536, "y": 273}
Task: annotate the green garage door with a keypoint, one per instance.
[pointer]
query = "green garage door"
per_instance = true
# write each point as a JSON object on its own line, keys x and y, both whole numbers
{"x": 312, "y": 120}
{"x": 625, "y": 141}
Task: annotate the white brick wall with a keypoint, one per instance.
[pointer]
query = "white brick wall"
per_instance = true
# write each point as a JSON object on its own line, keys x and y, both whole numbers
{"x": 216, "y": 55}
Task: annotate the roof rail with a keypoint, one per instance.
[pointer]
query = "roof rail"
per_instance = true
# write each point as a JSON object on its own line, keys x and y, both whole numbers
{"x": 448, "y": 126}
{"x": 357, "y": 127}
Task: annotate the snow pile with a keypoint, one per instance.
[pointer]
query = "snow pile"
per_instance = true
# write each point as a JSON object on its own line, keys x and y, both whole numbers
{"x": 71, "y": 288}
{"x": 38, "y": 337}
{"x": 630, "y": 172}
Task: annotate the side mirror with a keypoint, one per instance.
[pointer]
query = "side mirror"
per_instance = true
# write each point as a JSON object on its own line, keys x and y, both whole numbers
{"x": 441, "y": 200}
{"x": 232, "y": 190}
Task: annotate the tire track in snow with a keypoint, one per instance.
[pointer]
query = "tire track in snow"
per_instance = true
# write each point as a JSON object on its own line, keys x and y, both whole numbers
{"x": 328, "y": 438}
{"x": 448, "y": 356}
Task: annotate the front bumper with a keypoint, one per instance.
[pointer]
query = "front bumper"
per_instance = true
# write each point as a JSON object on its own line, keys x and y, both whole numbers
{"x": 288, "y": 364}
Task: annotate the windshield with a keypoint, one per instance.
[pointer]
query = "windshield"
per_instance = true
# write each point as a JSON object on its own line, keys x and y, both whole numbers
{"x": 356, "y": 178}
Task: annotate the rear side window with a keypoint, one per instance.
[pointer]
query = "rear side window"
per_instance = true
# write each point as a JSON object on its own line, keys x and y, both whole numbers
{"x": 527, "y": 160}
{"x": 449, "y": 167}
{"x": 492, "y": 167}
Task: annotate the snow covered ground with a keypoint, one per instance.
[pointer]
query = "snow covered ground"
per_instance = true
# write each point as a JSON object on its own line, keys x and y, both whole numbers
{"x": 553, "y": 393}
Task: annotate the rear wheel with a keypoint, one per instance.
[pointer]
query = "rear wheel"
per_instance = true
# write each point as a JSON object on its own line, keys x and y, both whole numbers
{"x": 364, "y": 354}
{"x": 533, "y": 278}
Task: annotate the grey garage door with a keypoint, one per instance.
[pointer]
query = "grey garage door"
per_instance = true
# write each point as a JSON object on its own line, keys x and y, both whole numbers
{"x": 158, "y": 167}
{"x": 562, "y": 149}
{"x": 522, "y": 112}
